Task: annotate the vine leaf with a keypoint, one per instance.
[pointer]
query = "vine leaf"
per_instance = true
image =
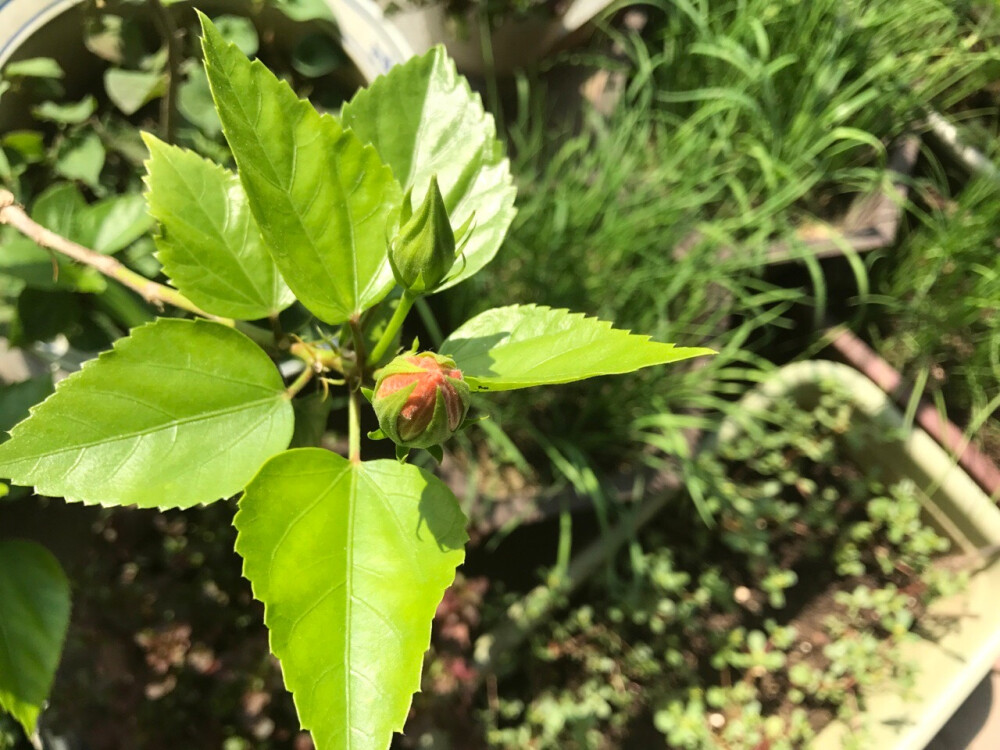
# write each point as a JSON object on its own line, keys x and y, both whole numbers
{"x": 424, "y": 120}
{"x": 34, "y": 616}
{"x": 351, "y": 561}
{"x": 179, "y": 413}
{"x": 210, "y": 247}
{"x": 322, "y": 199}
{"x": 520, "y": 346}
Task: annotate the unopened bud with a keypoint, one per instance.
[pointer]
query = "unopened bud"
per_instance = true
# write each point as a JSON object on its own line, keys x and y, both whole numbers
{"x": 423, "y": 250}
{"x": 420, "y": 399}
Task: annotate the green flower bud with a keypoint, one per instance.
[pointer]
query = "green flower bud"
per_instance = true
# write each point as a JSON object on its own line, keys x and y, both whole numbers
{"x": 424, "y": 248}
{"x": 420, "y": 399}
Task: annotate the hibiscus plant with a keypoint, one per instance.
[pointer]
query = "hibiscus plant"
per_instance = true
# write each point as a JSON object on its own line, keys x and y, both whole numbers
{"x": 351, "y": 219}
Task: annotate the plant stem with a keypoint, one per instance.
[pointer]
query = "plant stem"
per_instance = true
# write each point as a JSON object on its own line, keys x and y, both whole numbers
{"x": 300, "y": 382}
{"x": 168, "y": 30}
{"x": 360, "y": 358}
{"x": 14, "y": 215}
{"x": 405, "y": 303}
{"x": 354, "y": 426}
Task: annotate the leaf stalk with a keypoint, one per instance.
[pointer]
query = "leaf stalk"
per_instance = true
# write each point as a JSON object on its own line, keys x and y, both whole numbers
{"x": 301, "y": 381}
{"x": 354, "y": 427}
{"x": 402, "y": 310}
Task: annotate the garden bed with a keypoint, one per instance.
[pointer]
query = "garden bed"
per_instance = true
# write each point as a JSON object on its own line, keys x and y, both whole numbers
{"x": 688, "y": 633}
{"x": 820, "y": 554}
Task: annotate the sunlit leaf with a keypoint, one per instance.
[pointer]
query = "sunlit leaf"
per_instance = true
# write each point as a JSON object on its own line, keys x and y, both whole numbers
{"x": 322, "y": 200}
{"x": 179, "y": 413}
{"x": 210, "y": 246}
{"x": 351, "y": 561}
{"x": 34, "y": 616}
{"x": 424, "y": 120}
{"x": 526, "y": 345}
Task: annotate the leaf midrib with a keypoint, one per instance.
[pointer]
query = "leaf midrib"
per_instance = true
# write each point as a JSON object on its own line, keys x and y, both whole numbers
{"x": 349, "y": 603}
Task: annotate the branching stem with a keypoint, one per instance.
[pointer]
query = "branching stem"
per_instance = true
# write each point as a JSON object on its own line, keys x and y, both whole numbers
{"x": 168, "y": 105}
{"x": 308, "y": 353}
{"x": 14, "y": 215}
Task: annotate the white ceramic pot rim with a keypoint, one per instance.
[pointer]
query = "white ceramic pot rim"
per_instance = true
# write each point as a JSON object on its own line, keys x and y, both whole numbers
{"x": 373, "y": 44}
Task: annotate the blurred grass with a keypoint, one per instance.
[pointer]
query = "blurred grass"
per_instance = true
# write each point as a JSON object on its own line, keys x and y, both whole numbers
{"x": 741, "y": 120}
{"x": 941, "y": 323}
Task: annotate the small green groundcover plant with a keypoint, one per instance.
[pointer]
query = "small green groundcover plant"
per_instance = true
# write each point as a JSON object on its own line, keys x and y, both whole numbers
{"x": 791, "y": 610}
{"x": 352, "y": 218}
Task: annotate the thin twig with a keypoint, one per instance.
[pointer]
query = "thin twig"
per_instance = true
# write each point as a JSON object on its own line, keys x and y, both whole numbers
{"x": 360, "y": 357}
{"x": 158, "y": 294}
{"x": 168, "y": 30}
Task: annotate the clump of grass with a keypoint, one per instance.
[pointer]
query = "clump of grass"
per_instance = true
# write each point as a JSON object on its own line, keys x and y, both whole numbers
{"x": 799, "y": 99}
{"x": 740, "y": 120}
{"x": 941, "y": 287}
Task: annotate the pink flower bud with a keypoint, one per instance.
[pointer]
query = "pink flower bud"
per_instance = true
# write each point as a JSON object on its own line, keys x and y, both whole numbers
{"x": 420, "y": 399}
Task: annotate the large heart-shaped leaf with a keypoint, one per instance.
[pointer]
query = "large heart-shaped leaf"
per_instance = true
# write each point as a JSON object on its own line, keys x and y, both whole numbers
{"x": 322, "y": 199}
{"x": 34, "y": 615}
{"x": 424, "y": 120}
{"x": 211, "y": 247}
{"x": 351, "y": 561}
{"x": 520, "y": 346}
{"x": 179, "y": 413}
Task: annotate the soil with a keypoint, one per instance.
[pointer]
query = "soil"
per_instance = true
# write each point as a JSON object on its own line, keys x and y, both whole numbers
{"x": 166, "y": 646}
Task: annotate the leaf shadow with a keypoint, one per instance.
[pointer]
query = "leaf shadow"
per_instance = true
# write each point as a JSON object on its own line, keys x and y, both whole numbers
{"x": 439, "y": 512}
{"x": 474, "y": 356}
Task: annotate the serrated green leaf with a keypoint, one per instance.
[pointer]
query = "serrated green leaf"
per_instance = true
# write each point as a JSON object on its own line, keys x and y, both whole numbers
{"x": 42, "y": 315}
{"x": 311, "y": 415}
{"x": 70, "y": 113}
{"x": 6, "y": 172}
{"x": 17, "y": 398}
{"x": 322, "y": 199}
{"x": 81, "y": 157}
{"x": 239, "y": 31}
{"x": 57, "y": 207}
{"x": 131, "y": 90}
{"x": 424, "y": 120}
{"x": 317, "y": 55}
{"x": 194, "y": 99}
{"x": 28, "y": 144}
{"x": 305, "y": 10}
{"x": 520, "y": 346}
{"x": 114, "y": 223}
{"x": 179, "y": 413}
{"x": 34, "y": 616}
{"x": 33, "y": 67}
{"x": 211, "y": 247}
{"x": 351, "y": 561}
